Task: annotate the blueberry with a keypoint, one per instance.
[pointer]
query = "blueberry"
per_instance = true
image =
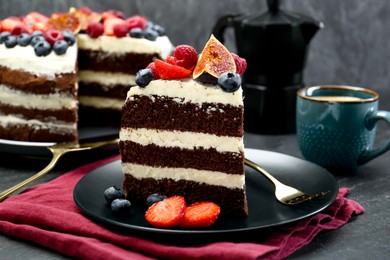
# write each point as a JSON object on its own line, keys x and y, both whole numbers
{"x": 36, "y": 39}
{"x": 10, "y": 41}
{"x": 151, "y": 199}
{"x": 143, "y": 77}
{"x": 136, "y": 33}
{"x": 24, "y": 39}
{"x": 113, "y": 193}
{"x": 60, "y": 47}
{"x": 150, "y": 34}
{"x": 3, "y": 36}
{"x": 159, "y": 29}
{"x": 36, "y": 33}
{"x": 229, "y": 81}
{"x": 42, "y": 48}
{"x": 69, "y": 37}
{"x": 121, "y": 206}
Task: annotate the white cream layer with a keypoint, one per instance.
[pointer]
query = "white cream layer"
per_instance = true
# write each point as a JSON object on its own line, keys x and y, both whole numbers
{"x": 106, "y": 79}
{"x": 59, "y": 126}
{"x": 24, "y": 58}
{"x": 184, "y": 140}
{"x": 200, "y": 176}
{"x": 162, "y": 45}
{"x": 101, "y": 102}
{"x": 188, "y": 90}
{"x": 54, "y": 101}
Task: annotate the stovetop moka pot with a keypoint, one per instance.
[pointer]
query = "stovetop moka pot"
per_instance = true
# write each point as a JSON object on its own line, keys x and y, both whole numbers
{"x": 275, "y": 44}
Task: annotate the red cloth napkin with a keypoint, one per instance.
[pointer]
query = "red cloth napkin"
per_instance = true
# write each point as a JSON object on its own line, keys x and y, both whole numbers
{"x": 46, "y": 214}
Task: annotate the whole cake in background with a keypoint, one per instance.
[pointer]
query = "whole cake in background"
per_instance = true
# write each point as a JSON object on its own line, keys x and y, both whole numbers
{"x": 70, "y": 69}
{"x": 182, "y": 129}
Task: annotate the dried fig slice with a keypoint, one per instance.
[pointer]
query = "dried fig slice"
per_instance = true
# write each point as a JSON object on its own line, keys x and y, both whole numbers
{"x": 214, "y": 59}
{"x": 65, "y": 21}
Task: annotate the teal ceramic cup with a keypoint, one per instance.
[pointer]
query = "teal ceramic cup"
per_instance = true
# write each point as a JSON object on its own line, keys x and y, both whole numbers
{"x": 336, "y": 126}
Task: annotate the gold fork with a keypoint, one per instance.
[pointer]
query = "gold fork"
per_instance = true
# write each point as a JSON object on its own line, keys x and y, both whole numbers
{"x": 284, "y": 193}
{"x": 57, "y": 150}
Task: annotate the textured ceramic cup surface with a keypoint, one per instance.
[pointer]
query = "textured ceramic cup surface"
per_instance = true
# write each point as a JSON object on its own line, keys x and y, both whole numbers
{"x": 336, "y": 126}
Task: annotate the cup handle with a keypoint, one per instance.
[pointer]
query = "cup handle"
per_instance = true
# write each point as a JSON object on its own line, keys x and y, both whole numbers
{"x": 221, "y": 25}
{"x": 371, "y": 119}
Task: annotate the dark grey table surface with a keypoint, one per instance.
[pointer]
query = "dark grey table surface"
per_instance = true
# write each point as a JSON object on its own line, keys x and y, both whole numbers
{"x": 364, "y": 237}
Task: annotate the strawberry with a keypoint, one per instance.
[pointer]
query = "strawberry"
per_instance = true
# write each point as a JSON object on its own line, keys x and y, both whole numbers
{"x": 171, "y": 60}
{"x": 136, "y": 21}
{"x": 109, "y": 24}
{"x": 200, "y": 214}
{"x": 166, "y": 213}
{"x": 9, "y": 23}
{"x": 34, "y": 17}
{"x": 152, "y": 67}
{"x": 169, "y": 71}
{"x": 240, "y": 63}
{"x": 185, "y": 56}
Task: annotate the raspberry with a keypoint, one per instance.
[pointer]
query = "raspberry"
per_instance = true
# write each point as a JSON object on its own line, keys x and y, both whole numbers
{"x": 137, "y": 21}
{"x": 52, "y": 36}
{"x": 18, "y": 30}
{"x": 169, "y": 71}
{"x": 240, "y": 63}
{"x": 185, "y": 56}
{"x": 95, "y": 29}
{"x": 121, "y": 29}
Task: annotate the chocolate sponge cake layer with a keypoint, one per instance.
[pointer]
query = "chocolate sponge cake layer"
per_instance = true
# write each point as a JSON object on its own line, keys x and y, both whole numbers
{"x": 231, "y": 201}
{"x": 159, "y": 112}
{"x": 99, "y": 90}
{"x": 175, "y": 157}
{"x": 128, "y": 63}
{"x": 64, "y": 115}
{"x": 30, "y": 83}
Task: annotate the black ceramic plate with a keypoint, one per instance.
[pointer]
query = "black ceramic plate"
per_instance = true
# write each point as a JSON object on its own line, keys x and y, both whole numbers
{"x": 39, "y": 148}
{"x": 264, "y": 210}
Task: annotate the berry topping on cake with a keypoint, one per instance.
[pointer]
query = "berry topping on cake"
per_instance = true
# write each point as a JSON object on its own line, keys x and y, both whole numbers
{"x": 37, "y": 39}
{"x": 113, "y": 193}
{"x": 214, "y": 59}
{"x": 229, "y": 81}
{"x": 153, "y": 198}
{"x": 52, "y": 36}
{"x": 171, "y": 60}
{"x": 121, "y": 29}
{"x": 4, "y": 36}
{"x": 137, "y": 21}
{"x": 8, "y": 24}
{"x": 24, "y": 39}
{"x": 169, "y": 71}
{"x": 60, "y": 47}
{"x": 115, "y": 13}
{"x": 10, "y": 41}
{"x": 185, "y": 56}
{"x": 200, "y": 214}
{"x": 136, "y": 33}
{"x": 150, "y": 34}
{"x": 42, "y": 48}
{"x": 152, "y": 67}
{"x": 95, "y": 29}
{"x": 143, "y": 77}
{"x": 65, "y": 21}
{"x": 109, "y": 24}
{"x": 166, "y": 213}
{"x": 240, "y": 63}
{"x": 69, "y": 37}
{"x": 18, "y": 30}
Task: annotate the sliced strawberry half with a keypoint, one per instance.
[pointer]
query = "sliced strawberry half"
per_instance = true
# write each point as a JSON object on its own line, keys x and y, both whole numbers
{"x": 109, "y": 24}
{"x": 137, "y": 21}
{"x": 35, "y": 17}
{"x": 170, "y": 71}
{"x": 166, "y": 213}
{"x": 200, "y": 214}
{"x": 8, "y": 24}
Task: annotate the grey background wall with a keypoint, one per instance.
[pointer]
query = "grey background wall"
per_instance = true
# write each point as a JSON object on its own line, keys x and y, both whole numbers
{"x": 353, "y": 48}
